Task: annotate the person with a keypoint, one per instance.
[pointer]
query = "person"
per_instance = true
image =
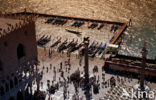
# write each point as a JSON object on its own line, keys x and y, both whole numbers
{"x": 50, "y": 66}
{"x": 61, "y": 65}
{"x": 68, "y": 95}
{"x": 130, "y": 22}
{"x": 80, "y": 61}
{"x": 62, "y": 74}
{"x": 98, "y": 78}
{"x": 47, "y": 69}
{"x": 42, "y": 85}
{"x": 69, "y": 61}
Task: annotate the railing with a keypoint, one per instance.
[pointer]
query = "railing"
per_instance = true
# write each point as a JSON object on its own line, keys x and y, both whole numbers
{"x": 130, "y": 68}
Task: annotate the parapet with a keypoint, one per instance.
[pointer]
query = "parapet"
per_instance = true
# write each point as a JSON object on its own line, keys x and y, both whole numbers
{"x": 9, "y": 23}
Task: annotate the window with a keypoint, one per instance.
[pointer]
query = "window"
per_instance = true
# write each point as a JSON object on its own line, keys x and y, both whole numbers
{"x": 19, "y": 95}
{"x": 2, "y": 91}
{"x": 11, "y": 84}
{"x": 26, "y": 33}
{"x": 5, "y": 44}
{"x": 15, "y": 81}
{"x": 1, "y": 68}
{"x": 11, "y": 98}
{"x": 6, "y": 87}
{"x": 20, "y": 51}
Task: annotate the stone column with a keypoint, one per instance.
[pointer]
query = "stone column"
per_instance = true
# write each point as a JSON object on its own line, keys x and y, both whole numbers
{"x": 86, "y": 43}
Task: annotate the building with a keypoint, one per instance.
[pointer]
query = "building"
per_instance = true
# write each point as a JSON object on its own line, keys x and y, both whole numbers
{"x": 18, "y": 56}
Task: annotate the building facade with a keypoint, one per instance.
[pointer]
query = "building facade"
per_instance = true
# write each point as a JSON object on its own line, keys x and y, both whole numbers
{"x": 18, "y": 56}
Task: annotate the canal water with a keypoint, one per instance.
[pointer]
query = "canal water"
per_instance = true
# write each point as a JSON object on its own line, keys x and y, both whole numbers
{"x": 142, "y": 13}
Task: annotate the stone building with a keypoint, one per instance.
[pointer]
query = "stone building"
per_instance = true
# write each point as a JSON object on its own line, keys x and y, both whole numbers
{"x": 18, "y": 56}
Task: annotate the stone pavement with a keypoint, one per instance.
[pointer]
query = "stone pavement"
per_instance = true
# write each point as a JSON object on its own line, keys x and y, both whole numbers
{"x": 55, "y": 61}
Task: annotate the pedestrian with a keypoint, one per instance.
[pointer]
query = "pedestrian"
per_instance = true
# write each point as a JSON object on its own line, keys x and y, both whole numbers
{"x": 80, "y": 61}
{"x": 47, "y": 70}
{"x": 60, "y": 65}
{"x": 42, "y": 85}
{"x": 98, "y": 77}
{"x": 130, "y": 22}
{"x": 50, "y": 66}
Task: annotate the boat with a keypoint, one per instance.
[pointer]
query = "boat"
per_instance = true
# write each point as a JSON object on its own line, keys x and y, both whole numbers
{"x": 112, "y": 27}
{"x": 77, "y": 24}
{"x": 92, "y": 44}
{"x": 61, "y": 47}
{"x": 50, "y": 20}
{"x": 74, "y": 32}
{"x": 97, "y": 50}
{"x": 92, "y": 49}
{"x": 41, "y": 38}
{"x": 101, "y": 26}
{"x": 99, "y": 47}
{"x": 92, "y": 26}
{"x": 44, "y": 41}
{"x": 56, "y": 43}
{"x": 73, "y": 46}
{"x": 69, "y": 44}
{"x": 103, "y": 48}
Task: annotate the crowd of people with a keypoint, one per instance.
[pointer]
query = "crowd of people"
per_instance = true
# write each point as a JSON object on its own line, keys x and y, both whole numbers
{"x": 62, "y": 79}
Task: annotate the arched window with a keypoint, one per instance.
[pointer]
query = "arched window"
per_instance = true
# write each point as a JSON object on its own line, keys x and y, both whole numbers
{"x": 15, "y": 80}
{"x": 1, "y": 67}
{"x": 11, "y": 98}
{"x": 2, "y": 91}
{"x": 19, "y": 95}
{"x": 6, "y": 87}
{"x": 20, "y": 51}
{"x": 11, "y": 84}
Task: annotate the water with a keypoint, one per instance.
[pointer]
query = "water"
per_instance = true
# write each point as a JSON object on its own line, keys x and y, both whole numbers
{"x": 142, "y": 13}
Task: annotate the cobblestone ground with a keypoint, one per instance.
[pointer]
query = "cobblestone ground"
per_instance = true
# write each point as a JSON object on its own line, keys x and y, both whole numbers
{"x": 57, "y": 58}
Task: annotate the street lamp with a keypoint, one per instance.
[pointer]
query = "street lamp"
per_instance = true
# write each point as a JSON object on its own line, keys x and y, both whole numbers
{"x": 144, "y": 53}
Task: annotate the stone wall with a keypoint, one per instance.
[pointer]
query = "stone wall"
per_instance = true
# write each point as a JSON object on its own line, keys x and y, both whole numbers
{"x": 24, "y": 35}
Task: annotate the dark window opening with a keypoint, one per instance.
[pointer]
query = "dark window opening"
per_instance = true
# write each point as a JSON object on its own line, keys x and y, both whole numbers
{"x": 20, "y": 51}
{"x": 11, "y": 84}
{"x": 1, "y": 68}
{"x": 5, "y": 44}
{"x": 16, "y": 81}
{"x": 19, "y": 95}
{"x": 2, "y": 91}
{"x": 26, "y": 33}
{"x": 11, "y": 98}
{"x": 6, "y": 87}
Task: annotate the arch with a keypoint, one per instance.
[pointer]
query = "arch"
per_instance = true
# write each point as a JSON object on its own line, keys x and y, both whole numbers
{"x": 11, "y": 98}
{"x": 11, "y": 84}
{"x": 19, "y": 95}
{"x": 2, "y": 91}
{"x": 1, "y": 67}
{"x": 6, "y": 87}
{"x": 15, "y": 81}
{"x": 20, "y": 51}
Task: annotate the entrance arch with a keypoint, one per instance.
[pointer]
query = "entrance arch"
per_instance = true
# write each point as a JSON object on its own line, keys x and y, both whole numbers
{"x": 1, "y": 67}
{"x": 2, "y": 91}
{"x": 11, "y": 98}
{"x": 11, "y": 84}
{"x": 6, "y": 87}
{"x": 15, "y": 81}
{"x": 19, "y": 95}
{"x": 20, "y": 51}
